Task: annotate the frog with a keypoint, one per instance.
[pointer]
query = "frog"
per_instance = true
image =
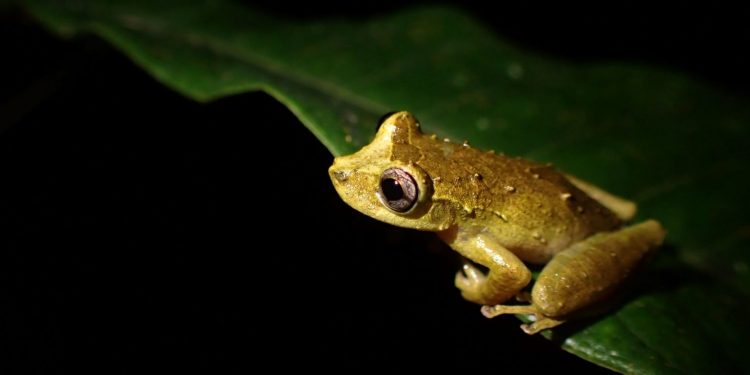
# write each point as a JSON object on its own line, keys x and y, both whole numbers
{"x": 505, "y": 214}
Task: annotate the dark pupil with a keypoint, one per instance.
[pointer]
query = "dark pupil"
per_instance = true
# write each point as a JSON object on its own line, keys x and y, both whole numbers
{"x": 392, "y": 189}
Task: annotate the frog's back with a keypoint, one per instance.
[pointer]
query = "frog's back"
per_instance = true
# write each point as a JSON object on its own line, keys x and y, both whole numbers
{"x": 533, "y": 209}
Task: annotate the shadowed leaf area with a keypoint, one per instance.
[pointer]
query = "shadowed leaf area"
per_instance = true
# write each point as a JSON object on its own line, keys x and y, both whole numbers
{"x": 675, "y": 145}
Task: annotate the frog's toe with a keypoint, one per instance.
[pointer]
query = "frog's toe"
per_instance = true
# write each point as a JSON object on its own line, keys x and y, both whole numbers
{"x": 493, "y": 311}
{"x": 470, "y": 280}
{"x": 473, "y": 273}
{"x": 462, "y": 282}
{"x": 540, "y": 325}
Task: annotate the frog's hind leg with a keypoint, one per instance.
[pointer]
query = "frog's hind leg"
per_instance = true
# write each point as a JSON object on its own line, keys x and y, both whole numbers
{"x": 590, "y": 271}
{"x": 540, "y": 323}
{"x": 623, "y": 208}
{"x": 584, "y": 274}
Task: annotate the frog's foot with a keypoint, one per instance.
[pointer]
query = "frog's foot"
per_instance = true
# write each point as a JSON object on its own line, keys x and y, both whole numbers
{"x": 493, "y": 311}
{"x": 540, "y": 323}
{"x": 470, "y": 280}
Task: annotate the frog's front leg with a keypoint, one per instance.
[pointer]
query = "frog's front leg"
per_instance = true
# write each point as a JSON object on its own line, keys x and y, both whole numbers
{"x": 507, "y": 274}
{"x": 584, "y": 274}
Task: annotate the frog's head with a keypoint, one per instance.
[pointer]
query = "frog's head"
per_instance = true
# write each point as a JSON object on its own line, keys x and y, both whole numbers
{"x": 384, "y": 181}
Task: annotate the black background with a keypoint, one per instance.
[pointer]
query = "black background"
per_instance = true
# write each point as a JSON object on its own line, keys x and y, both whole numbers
{"x": 142, "y": 230}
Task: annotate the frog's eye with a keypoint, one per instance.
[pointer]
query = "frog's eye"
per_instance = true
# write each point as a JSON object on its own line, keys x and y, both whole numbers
{"x": 384, "y": 117}
{"x": 398, "y": 190}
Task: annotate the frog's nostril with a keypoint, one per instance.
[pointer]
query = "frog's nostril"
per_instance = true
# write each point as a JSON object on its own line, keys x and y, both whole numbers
{"x": 340, "y": 175}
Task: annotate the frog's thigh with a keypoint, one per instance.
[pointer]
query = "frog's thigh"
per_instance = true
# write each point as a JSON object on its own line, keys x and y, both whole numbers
{"x": 507, "y": 274}
{"x": 590, "y": 270}
{"x": 623, "y": 208}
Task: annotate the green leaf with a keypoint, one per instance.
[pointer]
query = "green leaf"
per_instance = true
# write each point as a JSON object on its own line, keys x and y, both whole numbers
{"x": 674, "y": 144}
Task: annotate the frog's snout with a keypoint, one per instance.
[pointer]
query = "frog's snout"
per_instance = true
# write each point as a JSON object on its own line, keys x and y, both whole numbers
{"x": 338, "y": 175}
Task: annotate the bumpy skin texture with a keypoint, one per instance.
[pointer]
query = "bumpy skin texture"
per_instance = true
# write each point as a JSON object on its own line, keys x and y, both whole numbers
{"x": 499, "y": 211}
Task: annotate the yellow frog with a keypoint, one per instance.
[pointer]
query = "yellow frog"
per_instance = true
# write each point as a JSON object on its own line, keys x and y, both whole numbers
{"x": 499, "y": 212}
